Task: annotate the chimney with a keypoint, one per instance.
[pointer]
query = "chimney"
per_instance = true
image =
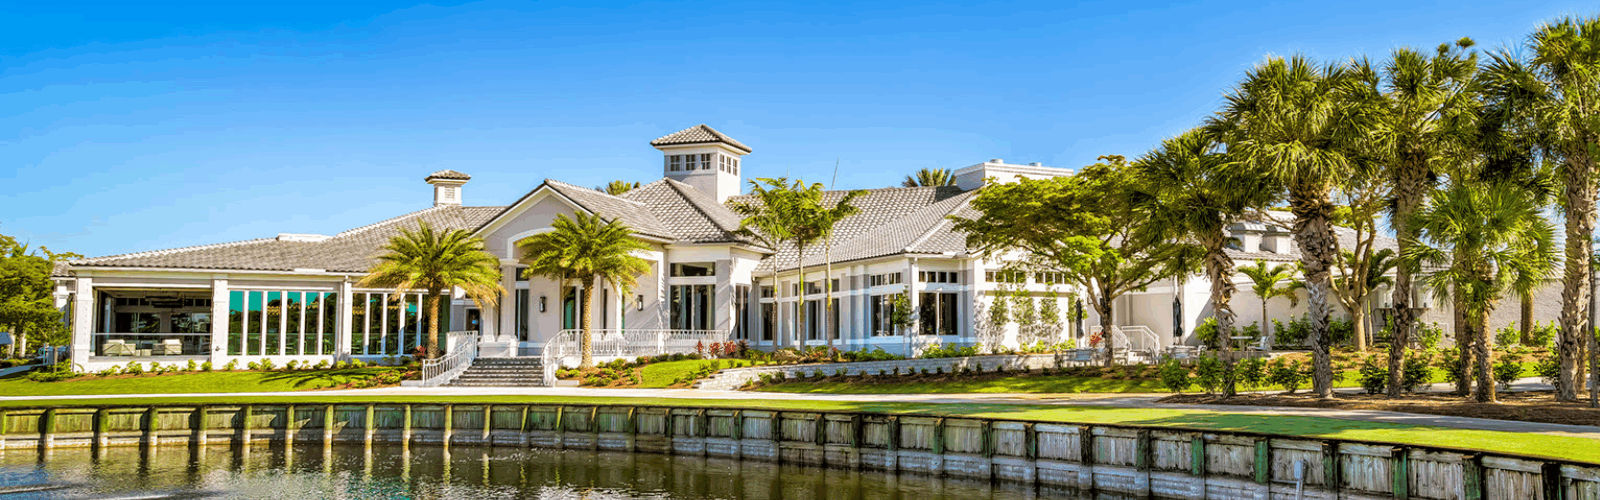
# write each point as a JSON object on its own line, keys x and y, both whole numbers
{"x": 447, "y": 186}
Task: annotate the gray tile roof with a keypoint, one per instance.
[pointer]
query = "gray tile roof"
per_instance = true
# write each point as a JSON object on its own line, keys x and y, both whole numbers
{"x": 879, "y": 208}
{"x": 349, "y": 251}
{"x": 699, "y": 134}
{"x": 690, "y": 214}
{"x": 448, "y": 174}
{"x": 635, "y": 214}
{"x": 923, "y": 230}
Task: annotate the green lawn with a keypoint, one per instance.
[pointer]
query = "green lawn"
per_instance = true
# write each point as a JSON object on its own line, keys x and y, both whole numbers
{"x": 188, "y": 382}
{"x": 657, "y": 375}
{"x": 1537, "y": 445}
{"x": 1028, "y": 384}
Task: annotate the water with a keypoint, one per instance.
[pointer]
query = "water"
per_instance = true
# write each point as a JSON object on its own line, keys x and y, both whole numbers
{"x": 430, "y": 472}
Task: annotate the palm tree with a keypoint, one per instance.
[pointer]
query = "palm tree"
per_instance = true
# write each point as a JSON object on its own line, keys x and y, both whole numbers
{"x": 1190, "y": 191}
{"x": 929, "y": 177}
{"x": 826, "y": 219}
{"x": 1425, "y": 103}
{"x": 1556, "y": 94}
{"x": 1290, "y": 119}
{"x": 772, "y": 217}
{"x": 436, "y": 262}
{"x": 1361, "y": 277}
{"x": 589, "y": 250}
{"x": 1491, "y": 238}
{"x": 1264, "y": 282}
{"x": 617, "y": 187}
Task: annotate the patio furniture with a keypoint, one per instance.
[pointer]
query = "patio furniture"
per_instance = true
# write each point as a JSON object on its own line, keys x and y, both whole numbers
{"x": 171, "y": 347}
{"x": 116, "y": 348}
{"x": 1082, "y": 356}
{"x": 143, "y": 352}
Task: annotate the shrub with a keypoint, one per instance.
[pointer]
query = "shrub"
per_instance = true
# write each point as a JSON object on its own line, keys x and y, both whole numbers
{"x": 322, "y": 365}
{"x": 1428, "y": 336}
{"x": 1508, "y": 335}
{"x": 1506, "y": 372}
{"x": 1374, "y": 375}
{"x": 134, "y": 368}
{"x": 1174, "y": 376}
{"x": 1289, "y": 375}
{"x": 52, "y": 374}
{"x": 1418, "y": 375}
{"x": 254, "y": 365}
{"x": 1341, "y": 332}
{"x": 108, "y": 372}
{"x": 354, "y": 363}
{"x": 266, "y": 364}
{"x": 1549, "y": 370}
{"x": 1206, "y": 331}
{"x": 1293, "y": 334}
{"x": 1252, "y": 372}
{"x": 1543, "y": 335}
{"x": 294, "y": 364}
{"x": 1450, "y": 362}
{"x": 232, "y": 365}
{"x": 1209, "y": 373}
{"x": 193, "y": 366}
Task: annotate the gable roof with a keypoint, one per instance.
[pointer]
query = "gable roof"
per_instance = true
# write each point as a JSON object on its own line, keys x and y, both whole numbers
{"x": 632, "y": 213}
{"x": 691, "y": 215}
{"x": 351, "y": 251}
{"x": 699, "y": 134}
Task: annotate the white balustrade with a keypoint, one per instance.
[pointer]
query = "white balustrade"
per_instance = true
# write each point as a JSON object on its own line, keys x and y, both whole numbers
{"x": 463, "y": 349}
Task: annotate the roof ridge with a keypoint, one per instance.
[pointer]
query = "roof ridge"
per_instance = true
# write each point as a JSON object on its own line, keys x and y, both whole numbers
{"x": 603, "y": 193}
{"x": 942, "y": 221}
{"x": 675, "y": 184}
{"x": 169, "y": 251}
{"x": 349, "y": 232}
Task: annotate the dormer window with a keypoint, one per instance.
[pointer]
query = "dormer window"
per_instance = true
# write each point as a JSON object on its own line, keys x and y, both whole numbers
{"x": 705, "y": 161}
{"x": 674, "y": 162}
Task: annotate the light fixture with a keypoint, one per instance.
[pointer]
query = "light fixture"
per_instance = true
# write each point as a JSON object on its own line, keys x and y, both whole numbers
{"x": 640, "y": 302}
{"x": 541, "y": 303}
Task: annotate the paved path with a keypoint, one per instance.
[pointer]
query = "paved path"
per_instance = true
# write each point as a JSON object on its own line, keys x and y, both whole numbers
{"x": 1111, "y": 400}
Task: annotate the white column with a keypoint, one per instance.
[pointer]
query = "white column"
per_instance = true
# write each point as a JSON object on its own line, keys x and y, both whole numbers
{"x": 342, "y": 336}
{"x": 83, "y": 324}
{"x": 915, "y": 299}
{"x": 219, "y": 319}
{"x": 506, "y": 313}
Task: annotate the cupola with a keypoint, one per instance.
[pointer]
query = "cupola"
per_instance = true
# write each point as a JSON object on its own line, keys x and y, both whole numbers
{"x": 704, "y": 158}
{"x": 447, "y": 186}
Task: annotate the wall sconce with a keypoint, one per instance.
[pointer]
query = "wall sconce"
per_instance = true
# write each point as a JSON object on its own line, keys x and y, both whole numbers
{"x": 541, "y": 303}
{"x": 640, "y": 302}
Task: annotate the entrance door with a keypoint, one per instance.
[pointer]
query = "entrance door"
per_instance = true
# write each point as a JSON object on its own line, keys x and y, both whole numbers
{"x": 474, "y": 320}
{"x": 571, "y": 307}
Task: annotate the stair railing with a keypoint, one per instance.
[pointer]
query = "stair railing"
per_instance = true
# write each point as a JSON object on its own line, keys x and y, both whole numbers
{"x": 463, "y": 349}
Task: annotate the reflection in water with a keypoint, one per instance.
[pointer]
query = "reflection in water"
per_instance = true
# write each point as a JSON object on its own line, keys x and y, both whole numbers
{"x": 431, "y": 472}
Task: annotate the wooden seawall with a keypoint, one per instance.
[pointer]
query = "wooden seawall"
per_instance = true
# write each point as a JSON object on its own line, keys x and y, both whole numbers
{"x": 1123, "y": 459}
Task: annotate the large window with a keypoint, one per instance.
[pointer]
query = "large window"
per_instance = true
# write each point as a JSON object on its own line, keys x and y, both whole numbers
{"x": 937, "y": 315}
{"x": 882, "y": 310}
{"x": 522, "y": 314}
{"x": 741, "y": 309}
{"x": 386, "y": 324}
{"x": 692, "y": 307}
{"x": 693, "y": 269}
{"x": 769, "y": 320}
{"x": 277, "y": 323}
{"x": 155, "y": 325}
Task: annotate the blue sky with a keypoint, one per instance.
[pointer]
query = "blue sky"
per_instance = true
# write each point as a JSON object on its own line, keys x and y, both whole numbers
{"x": 135, "y": 126}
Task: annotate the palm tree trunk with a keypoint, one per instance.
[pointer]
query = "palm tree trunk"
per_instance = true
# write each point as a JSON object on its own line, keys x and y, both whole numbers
{"x": 1318, "y": 249}
{"x": 1219, "y": 268}
{"x": 1464, "y": 346}
{"x": 1266, "y": 326}
{"x": 1579, "y": 192}
{"x": 433, "y": 350}
{"x": 586, "y": 342}
{"x": 1411, "y": 183}
{"x": 1480, "y": 327}
{"x": 1526, "y": 320}
{"x": 800, "y": 302}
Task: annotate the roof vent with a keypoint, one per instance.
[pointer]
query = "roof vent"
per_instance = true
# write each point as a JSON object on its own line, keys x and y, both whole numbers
{"x": 1035, "y": 164}
{"x": 996, "y": 160}
{"x": 447, "y": 186}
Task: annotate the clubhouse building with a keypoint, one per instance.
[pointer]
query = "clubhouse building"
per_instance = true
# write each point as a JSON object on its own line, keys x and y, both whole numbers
{"x": 293, "y": 297}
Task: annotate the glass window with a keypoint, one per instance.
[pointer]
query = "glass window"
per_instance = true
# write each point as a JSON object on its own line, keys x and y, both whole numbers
{"x": 294, "y": 318}
{"x": 356, "y": 338}
{"x": 705, "y": 161}
{"x": 413, "y": 327}
{"x": 937, "y": 313}
{"x": 522, "y": 314}
{"x": 691, "y": 307}
{"x": 255, "y": 316}
{"x": 372, "y": 341}
{"x": 694, "y": 269}
{"x": 673, "y": 162}
{"x": 741, "y": 307}
{"x": 522, "y": 273}
{"x": 769, "y": 320}
{"x": 275, "y": 318}
{"x": 330, "y": 321}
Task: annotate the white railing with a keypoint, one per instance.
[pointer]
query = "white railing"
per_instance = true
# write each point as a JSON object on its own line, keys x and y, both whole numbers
{"x": 463, "y": 348}
{"x": 1149, "y": 343}
{"x": 566, "y": 349}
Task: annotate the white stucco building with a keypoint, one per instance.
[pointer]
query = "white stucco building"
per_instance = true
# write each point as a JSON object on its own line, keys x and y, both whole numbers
{"x": 293, "y": 296}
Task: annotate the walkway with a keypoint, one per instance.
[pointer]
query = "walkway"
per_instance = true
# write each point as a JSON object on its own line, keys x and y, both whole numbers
{"x": 1109, "y": 400}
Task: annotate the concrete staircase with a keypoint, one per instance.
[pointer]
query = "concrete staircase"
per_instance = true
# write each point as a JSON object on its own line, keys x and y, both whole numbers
{"x": 501, "y": 372}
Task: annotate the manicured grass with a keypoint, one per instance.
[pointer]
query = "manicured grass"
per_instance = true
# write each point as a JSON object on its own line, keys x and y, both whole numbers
{"x": 187, "y": 382}
{"x": 656, "y": 375}
{"x": 1537, "y": 445}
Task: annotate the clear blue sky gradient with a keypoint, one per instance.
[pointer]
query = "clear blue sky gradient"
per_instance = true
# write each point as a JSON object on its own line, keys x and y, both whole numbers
{"x": 132, "y": 126}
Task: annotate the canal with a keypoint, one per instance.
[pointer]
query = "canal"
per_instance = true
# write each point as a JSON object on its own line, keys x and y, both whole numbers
{"x": 313, "y": 471}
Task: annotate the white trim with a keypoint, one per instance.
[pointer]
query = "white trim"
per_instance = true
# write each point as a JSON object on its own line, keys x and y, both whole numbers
{"x": 511, "y": 241}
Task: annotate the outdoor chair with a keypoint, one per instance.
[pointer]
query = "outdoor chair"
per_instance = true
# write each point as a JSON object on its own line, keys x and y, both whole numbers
{"x": 1081, "y": 356}
{"x": 116, "y": 348}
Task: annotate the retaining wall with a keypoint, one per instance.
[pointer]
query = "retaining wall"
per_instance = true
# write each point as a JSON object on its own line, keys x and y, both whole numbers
{"x": 1134, "y": 460}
